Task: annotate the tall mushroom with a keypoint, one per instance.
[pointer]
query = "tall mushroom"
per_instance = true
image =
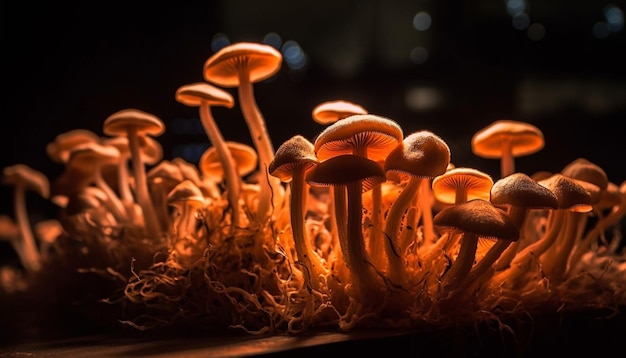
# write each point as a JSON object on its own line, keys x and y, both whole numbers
{"x": 240, "y": 65}
{"x": 292, "y": 161}
{"x": 506, "y": 139}
{"x": 135, "y": 123}
{"x": 22, "y": 177}
{"x": 204, "y": 95}
{"x": 422, "y": 155}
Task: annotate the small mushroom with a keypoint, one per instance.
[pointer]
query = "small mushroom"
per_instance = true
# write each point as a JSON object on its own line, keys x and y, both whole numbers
{"x": 330, "y": 112}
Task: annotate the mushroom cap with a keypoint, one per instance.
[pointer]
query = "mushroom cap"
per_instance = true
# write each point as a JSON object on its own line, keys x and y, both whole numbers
{"x": 570, "y": 194}
{"x": 610, "y": 197}
{"x": 331, "y": 111}
{"x": 119, "y": 122}
{"x": 583, "y": 169}
{"x": 91, "y": 155}
{"x": 31, "y": 179}
{"x": 379, "y": 135}
{"x": 195, "y": 93}
{"x": 188, "y": 170}
{"x": 524, "y": 138}
{"x": 296, "y": 152}
{"x": 474, "y": 182}
{"x": 245, "y": 157}
{"x": 185, "y": 192}
{"x": 518, "y": 189}
{"x": 346, "y": 169}
{"x": 58, "y": 150}
{"x": 421, "y": 154}
{"x": 260, "y": 61}
{"x": 165, "y": 173}
{"x": 478, "y": 217}
{"x": 150, "y": 148}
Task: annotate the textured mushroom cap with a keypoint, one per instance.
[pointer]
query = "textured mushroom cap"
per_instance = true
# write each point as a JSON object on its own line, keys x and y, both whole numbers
{"x": 520, "y": 190}
{"x": 583, "y": 169}
{"x": 331, "y": 111}
{"x": 478, "y": 217}
{"x": 378, "y": 134}
{"x": 245, "y": 157}
{"x": 296, "y": 152}
{"x": 260, "y": 61}
{"x": 90, "y": 155}
{"x": 58, "y": 150}
{"x": 22, "y": 174}
{"x": 570, "y": 194}
{"x": 185, "y": 192}
{"x": 421, "y": 154}
{"x": 165, "y": 173}
{"x": 119, "y": 122}
{"x": 196, "y": 93}
{"x": 475, "y": 183}
{"x": 610, "y": 197}
{"x": 346, "y": 169}
{"x": 524, "y": 139}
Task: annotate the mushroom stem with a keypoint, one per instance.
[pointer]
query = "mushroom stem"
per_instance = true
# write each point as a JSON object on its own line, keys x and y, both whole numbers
{"x": 462, "y": 265}
{"x": 141, "y": 186}
{"x": 29, "y": 251}
{"x": 232, "y": 178}
{"x": 269, "y": 186}
{"x": 507, "y": 162}
{"x": 396, "y": 269}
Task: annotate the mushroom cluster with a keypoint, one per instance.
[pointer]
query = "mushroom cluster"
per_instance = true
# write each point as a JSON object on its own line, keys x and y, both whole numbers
{"x": 362, "y": 225}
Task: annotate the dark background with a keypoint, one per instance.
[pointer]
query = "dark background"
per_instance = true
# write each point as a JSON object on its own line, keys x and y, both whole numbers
{"x": 67, "y": 67}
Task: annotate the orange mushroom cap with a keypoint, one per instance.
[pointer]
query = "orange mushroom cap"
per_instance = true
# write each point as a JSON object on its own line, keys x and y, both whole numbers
{"x": 259, "y": 60}
{"x": 524, "y": 137}
{"x": 331, "y": 111}
{"x": 421, "y": 154}
{"x": 470, "y": 183}
{"x": 296, "y": 152}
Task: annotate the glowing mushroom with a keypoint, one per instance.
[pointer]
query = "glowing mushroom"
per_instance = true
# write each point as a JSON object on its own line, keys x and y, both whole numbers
{"x": 330, "y": 112}
{"x": 422, "y": 155}
{"x": 506, "y": 139}
{"x": 23, "y": 178}
{"x": 135, "y": 123}
{"x": 204, "y": 95}
{"x": 240, "y": 65}
{"x": 292, "y": 161}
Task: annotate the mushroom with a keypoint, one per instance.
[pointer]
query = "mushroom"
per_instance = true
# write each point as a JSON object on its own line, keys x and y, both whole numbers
{"x": 59, "y": 149}
{"x": 135, "y": 123}
{"x": 187, "y": 198}
{"x": 240, "y": 65}
{"x": 204, "y": 95}
{"x": 292, "y": 161}
{"x": 474, "y": 219}
{"x": 342, "y": 173}
{"x": 22, "y": 177}
{"x": 330, "y": 112}
{"x": 506, "y": 139}
{"x": 519, "y": 194}
{"x": 422, "y": 155}
{"x": 161, "y": 179}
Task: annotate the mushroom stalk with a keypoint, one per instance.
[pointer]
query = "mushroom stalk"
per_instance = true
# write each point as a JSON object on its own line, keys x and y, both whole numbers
{"x": 269, "y": 186}
{"x": 143, "y": 197}
{"x": 29, "y": 251}
{"x": 233, "y": 180}
{"x": 462, "y": 265}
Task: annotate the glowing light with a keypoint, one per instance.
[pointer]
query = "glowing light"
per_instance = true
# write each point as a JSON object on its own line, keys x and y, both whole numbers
{"x": 294, "y": 56}
{"x": 273, "y": 39}
{"x": 419, "y": 55}
{"x": 515, "y": 7}
{"x": 521, "y": 21}
{"x": 536, "y": 32}
{"x": 422, "y": 21}
{"x": 614, "y": 17}
{"x": 423, "y": 98}
{"x": 218, "y": 41}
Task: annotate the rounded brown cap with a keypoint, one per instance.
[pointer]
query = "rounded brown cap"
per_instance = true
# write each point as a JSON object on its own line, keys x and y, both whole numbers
{"x": 583, "y": 169}
{"x": 58, "y": 150}
{"x": 185, "y": 192}
{"x": 570, "y": 194}
{"x": 360, "y": 133}
{"x": 478, "y": 217}
{"x": 520, "y": 190}
{"x": 346, "y": 169}
{"x": 260, "y": 61}
{"x": 145, "y": 123}
{"x": 523, "y": 138}
{"x": 421, "y": 154}
{"x": 297, "y": 153}
{"x": 195, "y": 93}
{"x": 331, "y": 111}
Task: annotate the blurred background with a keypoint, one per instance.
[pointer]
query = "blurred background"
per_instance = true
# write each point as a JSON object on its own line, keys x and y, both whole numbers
{"x": 451, "y": 67}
